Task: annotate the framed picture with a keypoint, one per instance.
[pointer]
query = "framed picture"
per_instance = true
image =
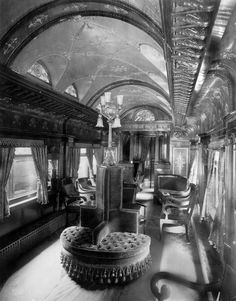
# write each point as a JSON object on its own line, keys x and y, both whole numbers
{"x": 180, "y": 161}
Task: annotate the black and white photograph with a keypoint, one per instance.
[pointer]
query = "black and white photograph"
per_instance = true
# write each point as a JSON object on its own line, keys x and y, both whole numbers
{"x": 117, "y": 150}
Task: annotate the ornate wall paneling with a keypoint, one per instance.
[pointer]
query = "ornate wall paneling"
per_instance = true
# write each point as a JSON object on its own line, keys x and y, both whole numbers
{"x": 159, "y": 126}
{"x": 82, "y": 131}
{"x": 22, "y": 92}
{"x": 13, "y": 142}
{"x": 146, "y": 119}
{"x": 179, "y": 152}
{"x": 188, "y": 33}
{"x": 19, "y": 120}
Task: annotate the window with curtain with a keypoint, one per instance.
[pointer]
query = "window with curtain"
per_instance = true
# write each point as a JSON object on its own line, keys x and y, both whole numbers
{"x": 84, "y": 165}
{"x": 22, "y": 182}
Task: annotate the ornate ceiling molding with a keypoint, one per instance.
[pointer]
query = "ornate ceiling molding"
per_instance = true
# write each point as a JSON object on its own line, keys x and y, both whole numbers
{"x": 155, "y": 126}
{"x": 54, "y": 12}
{"x": 188, "y": 33}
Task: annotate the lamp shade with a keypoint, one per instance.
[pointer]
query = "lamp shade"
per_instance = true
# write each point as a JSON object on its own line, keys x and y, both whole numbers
{"x": 103, "y": 100}
{"x": 120, "y": 100}
{"x": 116, "y": 123}
{"x": 99, "y": 122}
{"x": 108, "y": 96}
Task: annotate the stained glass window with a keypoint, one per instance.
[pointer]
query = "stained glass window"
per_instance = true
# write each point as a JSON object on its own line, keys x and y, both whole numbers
{"x": 71, "y": 90}
{"x": 144, "y": 115}
{"x": 40, "y": 72}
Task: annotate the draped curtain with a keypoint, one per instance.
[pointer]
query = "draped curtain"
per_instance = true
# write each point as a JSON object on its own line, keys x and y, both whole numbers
{"x": 41, "y": 165}
{"x": 214, "y": 199}
{"x": 90, "y": 161}
{"x": 98, "y": 153}
{"x": 61, "y": 161}
{"x": 72, "y": 162}
{"x": 6, "y": 159}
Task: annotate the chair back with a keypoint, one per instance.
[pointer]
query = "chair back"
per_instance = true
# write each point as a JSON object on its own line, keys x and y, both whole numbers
{"x": 68, "y": 187}
{"x": 192, "y": 201}
{"x": 172, "y": 182}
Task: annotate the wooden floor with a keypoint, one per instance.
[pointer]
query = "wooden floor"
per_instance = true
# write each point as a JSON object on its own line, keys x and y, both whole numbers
{"x": 38, "y": 275}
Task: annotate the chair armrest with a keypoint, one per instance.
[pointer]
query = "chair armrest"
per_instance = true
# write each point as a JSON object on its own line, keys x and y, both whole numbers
{"x": 144, "y": 209}
{"x": 164, "y": 291}
{"x": 83, "y": 198}
{"x": 169, "y": 205}
{"x": 141, "y": 204}
{"x": 100, "y": 232}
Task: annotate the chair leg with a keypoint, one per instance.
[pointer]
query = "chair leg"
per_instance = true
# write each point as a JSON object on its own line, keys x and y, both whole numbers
{"x": 78, "y": 218}
{"x": 186, "y": 231}
{"x": 161, "y": 229}
{"x": 144, "y": 227}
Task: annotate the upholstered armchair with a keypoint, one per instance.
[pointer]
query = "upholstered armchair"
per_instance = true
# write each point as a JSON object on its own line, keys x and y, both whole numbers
{"x": 178, "y": 211}
{"x": 71, "y": 198}
{"x": 170, "y": 184}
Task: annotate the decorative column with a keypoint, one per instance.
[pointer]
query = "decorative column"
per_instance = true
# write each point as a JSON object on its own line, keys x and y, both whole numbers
{"x": 120, "y": 147}
{"x": 157, "y": 148}
{"x": 131, "y": 150}
{"x": 168, "y": 147}
{"x": 161, "y": 165}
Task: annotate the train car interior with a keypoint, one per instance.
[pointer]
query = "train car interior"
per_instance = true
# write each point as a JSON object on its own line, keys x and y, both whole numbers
{"x": 118, "y": 150}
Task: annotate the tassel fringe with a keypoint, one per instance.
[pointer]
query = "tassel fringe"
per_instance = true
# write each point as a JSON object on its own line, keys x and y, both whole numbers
{"x": 102, "y": 275}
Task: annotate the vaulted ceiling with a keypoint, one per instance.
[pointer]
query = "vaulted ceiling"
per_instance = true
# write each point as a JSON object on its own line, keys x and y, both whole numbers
{"x": 155, "y": 53}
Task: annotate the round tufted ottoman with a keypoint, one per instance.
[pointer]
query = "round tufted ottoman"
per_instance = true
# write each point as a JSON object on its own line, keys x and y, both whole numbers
{"x": 120, "y": 257}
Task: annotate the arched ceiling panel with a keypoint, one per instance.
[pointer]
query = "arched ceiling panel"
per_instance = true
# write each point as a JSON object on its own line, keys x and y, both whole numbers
{"x": 93, "y": 52}
{"x": 138, "y": 96}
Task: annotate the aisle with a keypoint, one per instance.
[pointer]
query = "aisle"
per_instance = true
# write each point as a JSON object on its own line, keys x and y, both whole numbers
{"x": 38, "y": 275}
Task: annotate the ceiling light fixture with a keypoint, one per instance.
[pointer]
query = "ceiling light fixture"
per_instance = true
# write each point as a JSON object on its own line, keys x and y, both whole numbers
{"x": 111, "y": 112}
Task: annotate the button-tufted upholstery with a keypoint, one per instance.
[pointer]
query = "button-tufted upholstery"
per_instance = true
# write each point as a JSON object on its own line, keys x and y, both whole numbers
{"x": 118, "y": 258}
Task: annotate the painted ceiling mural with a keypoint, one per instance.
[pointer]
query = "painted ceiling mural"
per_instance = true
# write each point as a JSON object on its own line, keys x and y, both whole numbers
{"x": 153, "y": 52}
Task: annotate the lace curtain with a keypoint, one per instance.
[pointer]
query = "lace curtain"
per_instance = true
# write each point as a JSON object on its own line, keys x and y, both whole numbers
{"x": 6, "y": 159}
{"x": 90, "y": 162}
{"x": 41, "y": 164}
{"x": 213, "y": 210}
